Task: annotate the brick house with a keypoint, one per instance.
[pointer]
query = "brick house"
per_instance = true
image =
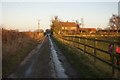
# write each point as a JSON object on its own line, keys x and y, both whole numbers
{"x": 60, "y": 27}
{"x": 68, "y": 26}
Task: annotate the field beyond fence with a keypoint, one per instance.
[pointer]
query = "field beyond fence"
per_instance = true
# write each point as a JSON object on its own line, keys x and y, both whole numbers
{"x": 96, "y": 48}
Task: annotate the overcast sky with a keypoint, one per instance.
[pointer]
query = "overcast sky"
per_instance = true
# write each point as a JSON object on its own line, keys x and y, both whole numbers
{"x": 24, "y": 15}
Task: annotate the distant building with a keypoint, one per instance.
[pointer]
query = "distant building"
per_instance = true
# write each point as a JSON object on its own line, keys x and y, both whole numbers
{"x": 68, "y": 26}
{"x": 100, "y": 31}
{"x": 88, "y": 30}
{"x": 60, "y": 27}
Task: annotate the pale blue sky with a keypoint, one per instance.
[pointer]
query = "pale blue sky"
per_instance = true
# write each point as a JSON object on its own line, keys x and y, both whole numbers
{"x": 24, "y": 15}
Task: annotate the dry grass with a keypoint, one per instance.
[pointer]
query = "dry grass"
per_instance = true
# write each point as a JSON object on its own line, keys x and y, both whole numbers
{"x": 13, "y": 41}
{"x": 101, "y": 66}
{"x": 15, "y": 46}
{"x": 83, "y": 65}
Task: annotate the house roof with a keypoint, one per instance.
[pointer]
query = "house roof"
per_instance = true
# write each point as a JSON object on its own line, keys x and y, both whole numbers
{"x": 68, "y": 24}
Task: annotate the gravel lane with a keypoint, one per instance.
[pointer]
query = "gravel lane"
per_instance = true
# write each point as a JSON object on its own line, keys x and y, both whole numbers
{"x": 37, "y": 64}
{"x": 41, "y": 62}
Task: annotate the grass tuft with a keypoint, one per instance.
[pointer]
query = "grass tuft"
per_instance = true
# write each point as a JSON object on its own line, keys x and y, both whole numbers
{"x": 80, "y": 62}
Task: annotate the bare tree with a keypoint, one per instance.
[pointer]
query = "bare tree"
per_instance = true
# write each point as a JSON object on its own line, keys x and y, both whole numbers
{"x": 114, "y": 22}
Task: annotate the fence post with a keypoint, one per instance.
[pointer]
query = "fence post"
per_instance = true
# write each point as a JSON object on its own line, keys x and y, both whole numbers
{"x": 94, "y": 50}
{"x": 113, "y": 60}
{"x": 86, "y": 40}
{"x": 69, "y": 39}
{"x": 84, "y": 48}
{"x": 78, "y": 41}
{"x": 74, "y": 40}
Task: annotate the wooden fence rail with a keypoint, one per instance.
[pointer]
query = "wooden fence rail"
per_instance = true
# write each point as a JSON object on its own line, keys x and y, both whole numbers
{"x": 76, "y": 40}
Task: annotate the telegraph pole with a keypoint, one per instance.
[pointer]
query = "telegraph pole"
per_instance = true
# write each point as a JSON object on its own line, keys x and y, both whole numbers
{"x": 82, "y": 22}
{"x": 38, "y": 26}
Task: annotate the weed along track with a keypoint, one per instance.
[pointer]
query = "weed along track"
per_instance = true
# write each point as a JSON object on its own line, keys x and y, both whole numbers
{"x": 60, "y": 72}
{"x": 87, "y": 61}
{"x": 25, "y": 68}
{"x": 44, "y": 62}
{"x": 60, "y": 40}
{"x": 54, "y": 57}
{"x": 60, "y": 57}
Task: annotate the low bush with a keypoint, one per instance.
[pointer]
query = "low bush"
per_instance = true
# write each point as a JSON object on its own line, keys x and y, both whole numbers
{"x": 15, "y": 47}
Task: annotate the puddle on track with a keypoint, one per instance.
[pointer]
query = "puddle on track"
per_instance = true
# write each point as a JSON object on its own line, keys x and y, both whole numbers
{"x": 60, "y": 72}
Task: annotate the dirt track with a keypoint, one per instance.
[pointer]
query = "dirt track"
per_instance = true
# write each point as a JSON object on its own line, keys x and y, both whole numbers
{"x": 39, "y": 63}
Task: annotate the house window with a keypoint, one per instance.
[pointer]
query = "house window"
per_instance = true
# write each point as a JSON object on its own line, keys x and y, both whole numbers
{"x": 62, "y": 27}
{"x": 73, "y": 27}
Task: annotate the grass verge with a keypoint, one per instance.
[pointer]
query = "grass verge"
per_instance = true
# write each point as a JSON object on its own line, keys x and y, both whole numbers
{"x": 11, "y": 63}
{"x": 80, "y": 62}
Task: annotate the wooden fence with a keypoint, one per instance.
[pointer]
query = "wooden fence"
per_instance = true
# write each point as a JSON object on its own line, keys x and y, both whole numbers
{"x": 76, "y": 42}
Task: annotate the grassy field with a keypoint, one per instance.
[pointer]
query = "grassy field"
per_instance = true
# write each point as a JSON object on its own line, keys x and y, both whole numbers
{"x": 98, "y": 44}
{"x": 105, "y": 68}
{"x": 15, "y": 47}
{"x": 80, "y": 62}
